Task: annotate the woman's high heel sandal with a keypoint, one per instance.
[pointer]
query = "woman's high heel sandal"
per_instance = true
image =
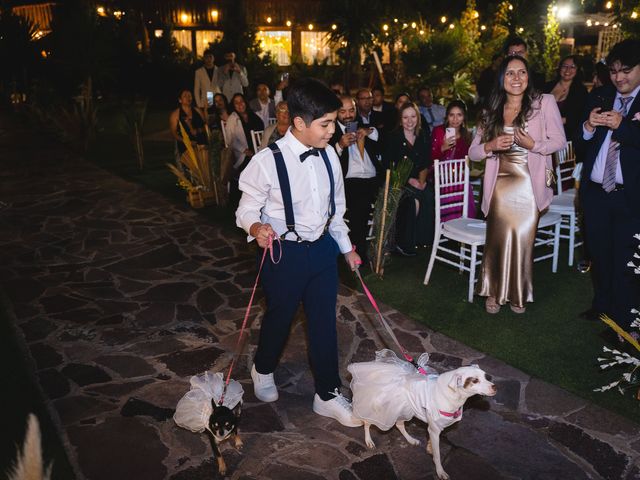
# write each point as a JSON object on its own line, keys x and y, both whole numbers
{"x": 515, "y": 309}
{"x": 491, "y": 306}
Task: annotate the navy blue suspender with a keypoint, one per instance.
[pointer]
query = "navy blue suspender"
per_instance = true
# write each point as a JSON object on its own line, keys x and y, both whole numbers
{"x": 285, "y": 190}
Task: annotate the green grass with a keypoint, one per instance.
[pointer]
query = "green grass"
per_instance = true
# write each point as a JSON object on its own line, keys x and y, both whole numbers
{"x": 549, "y": 341}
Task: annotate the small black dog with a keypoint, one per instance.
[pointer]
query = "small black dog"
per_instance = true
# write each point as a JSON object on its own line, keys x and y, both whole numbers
{"x": 223, "y": 423}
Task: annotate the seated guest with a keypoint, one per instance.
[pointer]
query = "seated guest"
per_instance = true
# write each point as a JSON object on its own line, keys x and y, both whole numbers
{"x": 445, "y": 146}
{"x": 432, "y": 112}
{"x": 277, "y": 130}
{"x": 415, "y": 216}
{"x": 192, "y": 120}
{"x": 400, "y": 100}
{"x": 570, "y": 94}
{"x": 358, "y": 153}
{"x": 241, "y": 121}
{"x": 220, "y": 111}
{"x": 263, "y": 105}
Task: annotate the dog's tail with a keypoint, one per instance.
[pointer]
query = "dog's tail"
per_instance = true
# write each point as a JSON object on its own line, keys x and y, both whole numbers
{"x": 29, "y": 464}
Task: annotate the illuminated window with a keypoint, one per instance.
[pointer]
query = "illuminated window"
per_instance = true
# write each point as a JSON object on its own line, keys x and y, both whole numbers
{"x": 204, "y": 38}
{"x": 183, "y": 37}
{"x": 316, "y": 46}
{"x": 278, "y": 43}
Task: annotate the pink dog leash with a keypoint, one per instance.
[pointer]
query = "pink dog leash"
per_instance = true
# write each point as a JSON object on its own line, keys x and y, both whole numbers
{"x": 269, "y": 248}
{"x": 405, "y": 353}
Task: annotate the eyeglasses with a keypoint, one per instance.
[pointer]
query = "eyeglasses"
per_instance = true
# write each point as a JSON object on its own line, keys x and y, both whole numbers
{"x": 568, "y": 67}
{"x": 365, "y": 98}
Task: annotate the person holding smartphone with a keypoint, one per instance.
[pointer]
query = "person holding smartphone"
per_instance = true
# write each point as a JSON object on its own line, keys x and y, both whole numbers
{"x": 518, "y": 133}
{"x": 451, "y": 141}
{"x": 357, "y": 149}
{"x": 231, "y": 77}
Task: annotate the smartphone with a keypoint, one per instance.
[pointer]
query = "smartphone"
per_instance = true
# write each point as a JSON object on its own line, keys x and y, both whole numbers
{"x": 605, "y": 103}
{"x": 210, "y": 99}
{"x": 284, "y": 77}
{"x": 351, "y": 127}
{"x": 450, "y": 132}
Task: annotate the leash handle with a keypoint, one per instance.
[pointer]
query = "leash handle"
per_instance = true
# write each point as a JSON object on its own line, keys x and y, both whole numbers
{"x": 385, "y": 324}
{"x": 268, "y": 248}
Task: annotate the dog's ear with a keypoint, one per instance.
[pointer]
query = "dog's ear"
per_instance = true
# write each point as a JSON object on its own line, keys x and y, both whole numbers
{"x": 455, "y": 382}
{"x": 237, "y": 409}
{"x": 214, "y": 406}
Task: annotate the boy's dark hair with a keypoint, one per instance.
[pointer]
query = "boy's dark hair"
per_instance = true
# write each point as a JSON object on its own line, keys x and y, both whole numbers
{"x": 311, "y": 99}
{"x": 512, "y": 42}
{"x": 627, "y": 52}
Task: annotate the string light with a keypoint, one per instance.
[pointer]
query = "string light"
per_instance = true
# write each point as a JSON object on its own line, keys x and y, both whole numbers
{"x": 443, "y": 19}
{"x": 483, "y": 28}
{"x": 385, "y": 27}
{"x": 268, "y": 19}
{"x": 310, "y": 26}
{"x": 608, "y": 5}
{"x": 288, "y": 23}
{"x": 334, "y": 26}
{"x": 214, "y": 15}
{"x": 451, "y": 26}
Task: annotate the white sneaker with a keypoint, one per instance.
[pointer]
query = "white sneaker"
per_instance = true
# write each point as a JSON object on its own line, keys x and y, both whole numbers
{"x": 338, "y": 408}
{"x": 263, "y": 386}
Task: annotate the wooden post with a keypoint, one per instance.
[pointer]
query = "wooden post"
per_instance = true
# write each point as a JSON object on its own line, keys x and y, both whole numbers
{"x": 383, "y": 221}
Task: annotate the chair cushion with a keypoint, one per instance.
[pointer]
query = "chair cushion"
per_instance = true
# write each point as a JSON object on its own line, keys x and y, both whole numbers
{"x": 466, "y": 230}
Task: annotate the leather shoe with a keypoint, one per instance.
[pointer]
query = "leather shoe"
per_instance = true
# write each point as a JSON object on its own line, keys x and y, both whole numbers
{"x": 590, "y": 314}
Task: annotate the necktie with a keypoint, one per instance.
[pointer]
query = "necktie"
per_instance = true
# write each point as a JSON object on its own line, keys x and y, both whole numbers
{"x": 431, "y": 117}
{"x": 613, "y": 154}
{"x": 311, "y": 151}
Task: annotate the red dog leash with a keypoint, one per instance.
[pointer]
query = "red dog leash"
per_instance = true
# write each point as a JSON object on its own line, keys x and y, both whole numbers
{"x": 405, "y": 353}
{"x": 269, "y": 248}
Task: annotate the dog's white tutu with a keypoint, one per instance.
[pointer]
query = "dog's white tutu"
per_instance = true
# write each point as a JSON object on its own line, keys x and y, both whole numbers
{"x": 194, "y": 408}
{"x": 380, "y": 389}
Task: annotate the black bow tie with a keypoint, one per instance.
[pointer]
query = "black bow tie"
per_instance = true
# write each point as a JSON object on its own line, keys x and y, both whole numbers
{"x": 311, "y": 151}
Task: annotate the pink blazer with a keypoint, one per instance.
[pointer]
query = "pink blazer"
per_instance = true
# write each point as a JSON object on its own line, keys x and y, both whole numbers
{"x": 545, "y": 127}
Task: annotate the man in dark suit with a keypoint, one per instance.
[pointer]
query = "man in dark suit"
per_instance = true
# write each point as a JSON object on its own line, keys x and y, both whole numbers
{"x": 361, "y": 168}
{"x": 366, "y": 115}
{"x": 610, "y": 184}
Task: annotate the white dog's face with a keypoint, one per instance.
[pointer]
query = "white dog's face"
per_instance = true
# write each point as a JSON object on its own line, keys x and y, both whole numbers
{"x": 472, "y": 381}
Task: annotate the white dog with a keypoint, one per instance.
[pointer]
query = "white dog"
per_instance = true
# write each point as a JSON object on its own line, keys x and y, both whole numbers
{"x": 390, "y": 391}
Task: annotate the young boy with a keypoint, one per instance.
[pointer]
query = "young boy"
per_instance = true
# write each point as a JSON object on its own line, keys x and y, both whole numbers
{"x": 294, "y": 189}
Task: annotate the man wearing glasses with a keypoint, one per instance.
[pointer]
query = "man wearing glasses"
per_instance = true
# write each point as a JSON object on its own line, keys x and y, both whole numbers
{"x": 367, "y": 116}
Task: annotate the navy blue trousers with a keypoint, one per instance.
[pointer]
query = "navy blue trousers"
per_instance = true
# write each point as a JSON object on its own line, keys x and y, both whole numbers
{"x": 307, "y": 273}
{"x": 610, "y": 224}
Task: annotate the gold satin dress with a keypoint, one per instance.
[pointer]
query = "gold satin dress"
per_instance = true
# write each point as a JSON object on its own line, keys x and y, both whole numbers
{"x": 512, "y": 222}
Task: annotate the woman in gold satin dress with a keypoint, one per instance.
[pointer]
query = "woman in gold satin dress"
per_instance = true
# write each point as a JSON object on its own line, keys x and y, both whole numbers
{"x": 518, "y": 132}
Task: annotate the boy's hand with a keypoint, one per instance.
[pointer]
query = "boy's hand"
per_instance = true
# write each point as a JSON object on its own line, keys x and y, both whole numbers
{"x": 353, "y": 260}
{"x": 262, "y": 232}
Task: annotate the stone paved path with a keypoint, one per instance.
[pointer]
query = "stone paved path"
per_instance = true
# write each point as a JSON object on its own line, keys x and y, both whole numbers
{"x": 121, "y": 296}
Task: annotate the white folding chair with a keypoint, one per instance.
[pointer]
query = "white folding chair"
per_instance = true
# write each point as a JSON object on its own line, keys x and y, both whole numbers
{"x": 256, "y": 139}
{"x": 271, "y": 121}
{"x": 467, "y": 231}
{"x": 564, "y": 202}
{"x": 565, "y": 160}
{"x": 471, "y": 233}
{"x": 223, "y": 127}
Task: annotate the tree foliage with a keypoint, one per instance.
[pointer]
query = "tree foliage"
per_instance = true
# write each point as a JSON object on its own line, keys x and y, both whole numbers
{"x": 551, "y": 53}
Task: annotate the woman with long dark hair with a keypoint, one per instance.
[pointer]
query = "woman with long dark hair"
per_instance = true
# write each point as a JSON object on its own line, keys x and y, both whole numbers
{"x": 570, "y": 94}
{"x": 517, "y": 135}
{"x": 192, "y": 120}
{"x": 451, "y": 141}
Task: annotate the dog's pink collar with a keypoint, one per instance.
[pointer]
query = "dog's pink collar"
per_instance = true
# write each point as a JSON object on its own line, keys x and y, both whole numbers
{"x": 456, "y": 414}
